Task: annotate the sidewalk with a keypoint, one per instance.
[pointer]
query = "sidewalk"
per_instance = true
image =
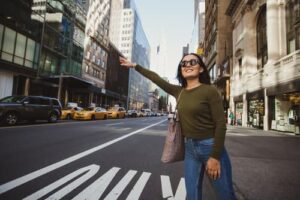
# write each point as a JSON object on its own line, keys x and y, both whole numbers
{"x": 256, "y": 132}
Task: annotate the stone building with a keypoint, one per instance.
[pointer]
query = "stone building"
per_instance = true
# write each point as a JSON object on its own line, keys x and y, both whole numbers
{"x": 265, "y": 81}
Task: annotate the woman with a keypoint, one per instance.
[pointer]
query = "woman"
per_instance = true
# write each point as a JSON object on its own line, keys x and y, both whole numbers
{"x": 203, "y": 125}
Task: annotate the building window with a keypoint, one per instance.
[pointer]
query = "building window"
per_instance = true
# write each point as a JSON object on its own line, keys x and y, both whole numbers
{"x": 8, "y": 44}
{"x": 293, "y": 25}
{"x": 30, "y": 53}
{"x": 240, "y": 68}
{"x": 20, "y": 49}
{"x": 262, "y": 45}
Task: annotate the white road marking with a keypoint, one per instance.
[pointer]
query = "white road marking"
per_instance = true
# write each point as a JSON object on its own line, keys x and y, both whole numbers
{"x": 26, "y": 178}
{"x": 139, "y": 187}
{"x": 91, "y": 171}
{"x": 167, "y": 189}
{"x": 125, "y": 129}
{"x": 114, "y": 124}
{"x": 119, "y": 188}
{"x": 96, "y": 189}
{"x": 236, "y": 134}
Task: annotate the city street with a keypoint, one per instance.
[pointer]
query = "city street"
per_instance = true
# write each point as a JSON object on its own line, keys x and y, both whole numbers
{"x": 120, "y": 159}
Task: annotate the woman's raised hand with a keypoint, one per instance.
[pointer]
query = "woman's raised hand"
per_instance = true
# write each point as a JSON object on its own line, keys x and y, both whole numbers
{"x": 124, "y": 62}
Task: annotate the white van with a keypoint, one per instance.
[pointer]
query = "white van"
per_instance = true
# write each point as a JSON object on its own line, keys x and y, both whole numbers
{"x": 146, "y": 112}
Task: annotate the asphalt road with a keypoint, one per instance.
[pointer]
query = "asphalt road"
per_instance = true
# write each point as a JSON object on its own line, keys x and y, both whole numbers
{"x": 120, "y": 159}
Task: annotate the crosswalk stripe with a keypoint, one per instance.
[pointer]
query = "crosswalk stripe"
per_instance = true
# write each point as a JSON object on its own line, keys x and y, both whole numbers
{"x": 96, "y": 189}
{"x": 118, "y": 189}
{"x": 167, "y": 192}
{"x": 166, "y": 187}
{"x": 91, "y": 171}
{"x": 139, "y": 187}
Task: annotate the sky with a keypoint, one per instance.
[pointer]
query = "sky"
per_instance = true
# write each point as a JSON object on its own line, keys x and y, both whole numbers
{"x": 169, "y": 19}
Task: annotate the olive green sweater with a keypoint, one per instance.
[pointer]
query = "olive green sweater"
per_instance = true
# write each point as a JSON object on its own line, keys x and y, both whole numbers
{"x": 200, "y": 110}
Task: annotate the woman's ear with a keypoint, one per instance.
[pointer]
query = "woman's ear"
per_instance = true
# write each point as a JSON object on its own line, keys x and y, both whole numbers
{"x": 201, "y": 70}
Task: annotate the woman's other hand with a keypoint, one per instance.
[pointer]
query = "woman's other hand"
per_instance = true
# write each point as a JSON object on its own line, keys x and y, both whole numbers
{"x": 213, "y": 168}
{"x": 124, "y": 62}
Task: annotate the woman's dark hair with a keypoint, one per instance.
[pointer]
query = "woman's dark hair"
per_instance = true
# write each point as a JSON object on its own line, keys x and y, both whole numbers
{"x": 203, "y": 76}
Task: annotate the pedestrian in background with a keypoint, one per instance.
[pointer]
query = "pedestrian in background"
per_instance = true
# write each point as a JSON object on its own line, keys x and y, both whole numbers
{"x": 231, "y": 117}
{"x": 203, "y": 125}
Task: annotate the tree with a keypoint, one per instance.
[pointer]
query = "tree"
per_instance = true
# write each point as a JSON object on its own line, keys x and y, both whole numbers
{"x": 162, "y": 103}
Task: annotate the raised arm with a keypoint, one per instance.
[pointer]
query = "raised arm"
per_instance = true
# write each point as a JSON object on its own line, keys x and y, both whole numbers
{"x": 155, "y": 78}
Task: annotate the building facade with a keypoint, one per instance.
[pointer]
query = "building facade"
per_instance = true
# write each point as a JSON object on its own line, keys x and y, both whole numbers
{"x": 135, "y": 46}
{"x": 96, "y": 48}
{"x": 218, "y": 47}
{"x": 117, "y": 78}
{"x": 266, "y": 64}
{"x": 20, "y": 37}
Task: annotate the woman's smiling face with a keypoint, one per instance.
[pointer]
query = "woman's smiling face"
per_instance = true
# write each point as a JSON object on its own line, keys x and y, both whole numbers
{"x": 190, "y": 67}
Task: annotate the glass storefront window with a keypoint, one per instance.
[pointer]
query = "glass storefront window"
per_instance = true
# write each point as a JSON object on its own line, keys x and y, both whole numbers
{"x": 238, "y": 112}
{"x": 47, "y": 67}
{"x": 8, "y": 44}
{"x": 256, "y": 113}
{"x": 53, "y": 65}
{"x": 1, "y": 34}
{"x": 36, "y": 55}
{"x": 30, "y": 53}
{"x": 20, "y": 49}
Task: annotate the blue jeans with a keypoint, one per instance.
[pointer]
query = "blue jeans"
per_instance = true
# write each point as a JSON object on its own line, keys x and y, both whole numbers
{"x": 196, "y": 155}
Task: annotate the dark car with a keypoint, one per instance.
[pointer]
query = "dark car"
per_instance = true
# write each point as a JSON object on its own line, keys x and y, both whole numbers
{"x": 16, "y": 108}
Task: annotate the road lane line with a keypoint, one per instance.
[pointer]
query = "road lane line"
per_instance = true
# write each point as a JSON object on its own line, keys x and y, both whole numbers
{"x": 139, "y": 187}
{"x": 90, "y": 170}
{"x": 26, "y": 178}
{"x": 96, "y": 189}
{"x": 47, "y": 124}
{"x": 114, "y": 124}
{"x": 119, "y": 188}
{"x": 125, "y": 129}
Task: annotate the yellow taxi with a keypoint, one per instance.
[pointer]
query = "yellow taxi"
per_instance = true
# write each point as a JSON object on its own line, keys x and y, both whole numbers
{"x": 116, "y": 112}
{"x": 68, "y": 113}
{"x": 91, "y": 113}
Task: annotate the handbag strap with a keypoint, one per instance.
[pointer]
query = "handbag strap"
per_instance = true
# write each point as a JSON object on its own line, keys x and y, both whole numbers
{"x": 176, "y": 117}
{"x": 178, "y": 98}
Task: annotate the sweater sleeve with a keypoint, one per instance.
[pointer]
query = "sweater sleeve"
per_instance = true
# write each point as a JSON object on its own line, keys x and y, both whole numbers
{"x": 217, "y": 112}
{"x": 155, "y": 78}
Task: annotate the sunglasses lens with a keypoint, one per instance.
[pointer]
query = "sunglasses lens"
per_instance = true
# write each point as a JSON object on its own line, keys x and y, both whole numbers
{"x": 193, "y": 62}
{"x": 183, "y": 64}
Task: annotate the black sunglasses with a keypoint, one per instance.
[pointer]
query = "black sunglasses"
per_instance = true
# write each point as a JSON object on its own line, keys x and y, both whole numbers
{"x": 192, "y": 62}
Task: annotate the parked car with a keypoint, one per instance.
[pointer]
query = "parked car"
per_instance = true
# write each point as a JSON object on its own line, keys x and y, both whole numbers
{"x": 16, "y": 108}
{"x": 91, "y": 113}
{"x": 146, "y": 112}
{"x": 132, "y": 113}
{"x": 68, "y": 113}
{"x": 116, "y": 112}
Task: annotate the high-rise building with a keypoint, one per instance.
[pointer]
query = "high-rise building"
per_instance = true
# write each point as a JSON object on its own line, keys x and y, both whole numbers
{"x": 196, "y": 44}
{"x": 218, "y": 46}
{"x": 115, "y": 22}
{"x": 134, "y": 45}
{"x": 265, "y": 81}
{"x": 96, "y": 47}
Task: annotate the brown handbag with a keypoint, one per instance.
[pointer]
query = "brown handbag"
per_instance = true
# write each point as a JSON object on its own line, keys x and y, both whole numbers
{"x": 173, "y": 150}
